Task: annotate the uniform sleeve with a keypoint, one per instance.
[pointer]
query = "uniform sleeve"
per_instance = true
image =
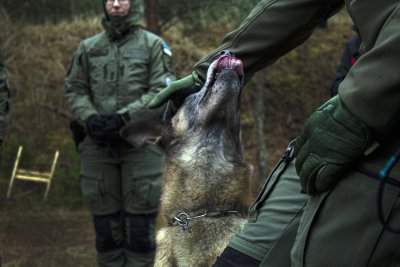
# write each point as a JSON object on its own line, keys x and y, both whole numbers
{"x": 273, "y": 28}
{"x": 160, "y": 76}
{"x": 4, "y": 101}
{"x": 77, "y": 87}
{"x": 371, "y": 88}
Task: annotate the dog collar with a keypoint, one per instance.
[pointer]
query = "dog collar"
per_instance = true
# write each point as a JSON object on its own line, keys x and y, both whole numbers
{"x": 183, "y": 219}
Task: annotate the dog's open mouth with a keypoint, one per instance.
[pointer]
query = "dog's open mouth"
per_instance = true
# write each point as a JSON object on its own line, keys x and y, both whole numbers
{"x": 216, "y": 105}
{"x": 224, "y": 64}
{"x": 230, "y": 62}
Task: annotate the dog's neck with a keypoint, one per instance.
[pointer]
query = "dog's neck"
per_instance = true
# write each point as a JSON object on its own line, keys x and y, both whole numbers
{"x": 218, "y": 155}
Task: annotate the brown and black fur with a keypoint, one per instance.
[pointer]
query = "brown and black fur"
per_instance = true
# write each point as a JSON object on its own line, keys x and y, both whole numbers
{"x": 204, "y": 171}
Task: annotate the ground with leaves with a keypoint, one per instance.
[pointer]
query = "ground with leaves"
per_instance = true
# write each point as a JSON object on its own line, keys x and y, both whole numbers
{"x": 47, "y": 238}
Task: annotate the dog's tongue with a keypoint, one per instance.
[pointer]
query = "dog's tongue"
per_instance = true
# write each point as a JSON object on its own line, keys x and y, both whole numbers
{"x": 230, "y": 62}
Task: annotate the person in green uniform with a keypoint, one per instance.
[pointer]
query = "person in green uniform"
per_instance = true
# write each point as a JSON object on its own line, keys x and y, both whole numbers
{"x": 4, "y": 104}
{"x": 112, "y": 77}
{"x": 319, "y": 205}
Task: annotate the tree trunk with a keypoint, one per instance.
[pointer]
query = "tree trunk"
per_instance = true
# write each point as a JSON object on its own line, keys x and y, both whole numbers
{"x": 152, "y": 16}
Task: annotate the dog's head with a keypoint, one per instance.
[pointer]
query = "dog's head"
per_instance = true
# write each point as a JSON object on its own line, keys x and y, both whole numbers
{"x": 210, "y": 118}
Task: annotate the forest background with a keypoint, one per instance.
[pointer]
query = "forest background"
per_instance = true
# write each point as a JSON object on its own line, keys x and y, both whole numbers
{"x": 37, "y": 40}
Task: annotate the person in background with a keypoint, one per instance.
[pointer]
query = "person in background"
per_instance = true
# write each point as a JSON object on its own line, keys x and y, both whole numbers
{"x": 4, "y": 104}
{"x": 112, "y": 77}
{"x": 349, "y": 57}
{"x": 319, "y": 205}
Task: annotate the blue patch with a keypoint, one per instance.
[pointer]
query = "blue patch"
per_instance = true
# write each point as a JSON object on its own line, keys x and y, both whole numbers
{"x": 167, "y": 50}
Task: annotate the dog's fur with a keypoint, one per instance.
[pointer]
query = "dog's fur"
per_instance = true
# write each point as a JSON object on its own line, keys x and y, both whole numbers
{"x": 204, "y": 171}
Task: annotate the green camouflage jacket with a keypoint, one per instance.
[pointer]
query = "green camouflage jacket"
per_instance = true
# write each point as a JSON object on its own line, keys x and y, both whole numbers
{"x": 122, "y": 76}
{"x": 371, "y": 88}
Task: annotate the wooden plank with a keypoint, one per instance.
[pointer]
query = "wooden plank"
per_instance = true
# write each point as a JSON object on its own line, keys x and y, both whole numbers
{"x": 33, "y": 173}
{"x": 32, "y": 178}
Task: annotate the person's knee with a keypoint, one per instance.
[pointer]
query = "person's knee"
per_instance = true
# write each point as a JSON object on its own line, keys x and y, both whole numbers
{"x": 109, "y": 232}
{"x": 141, "y": 232}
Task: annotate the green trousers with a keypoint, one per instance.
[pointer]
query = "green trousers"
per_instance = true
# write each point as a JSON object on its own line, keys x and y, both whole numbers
{"x": 123, "y": 195}
{"x": 340, "y": 227}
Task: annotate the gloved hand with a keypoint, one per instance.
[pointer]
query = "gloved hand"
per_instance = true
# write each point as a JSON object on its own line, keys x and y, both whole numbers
{"x": 113, "y": 123}
{"x": 177, "y": 92}
{"x": 94, "y": 126}
{"x": 331, "y": 140}
{"x": 104, "y": 127}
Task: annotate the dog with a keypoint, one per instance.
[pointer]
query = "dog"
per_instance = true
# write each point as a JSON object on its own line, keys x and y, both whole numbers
{"x": 206, "y": 183}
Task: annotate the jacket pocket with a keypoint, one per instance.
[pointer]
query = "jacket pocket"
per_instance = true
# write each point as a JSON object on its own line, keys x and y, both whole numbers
{"x": 93, "y": 192}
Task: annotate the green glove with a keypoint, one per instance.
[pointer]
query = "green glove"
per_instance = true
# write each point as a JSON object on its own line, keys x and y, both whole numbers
{"x": 177, "y": 91}
{"x": 331, "y": 140}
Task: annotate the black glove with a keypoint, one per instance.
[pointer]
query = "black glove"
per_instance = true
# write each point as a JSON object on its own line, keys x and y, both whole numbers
{"x": 78, "y": 132}
{"x": 104, "y": 127}
{"x": 113, "y": 123}
{"x": 95, "y": 127}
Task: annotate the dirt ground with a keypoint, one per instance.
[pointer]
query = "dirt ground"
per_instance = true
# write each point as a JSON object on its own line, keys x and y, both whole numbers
{"x": 46, "y": 239}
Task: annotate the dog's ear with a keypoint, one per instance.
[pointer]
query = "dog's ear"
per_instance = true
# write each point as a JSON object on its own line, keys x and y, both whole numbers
{"x": 140, "y": 133}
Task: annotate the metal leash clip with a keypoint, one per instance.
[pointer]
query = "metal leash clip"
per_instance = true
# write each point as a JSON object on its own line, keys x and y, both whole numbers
{"x": 183, "y": 219}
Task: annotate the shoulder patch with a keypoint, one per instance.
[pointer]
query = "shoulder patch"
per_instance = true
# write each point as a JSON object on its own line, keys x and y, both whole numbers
{"x": 166, "y": 49}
